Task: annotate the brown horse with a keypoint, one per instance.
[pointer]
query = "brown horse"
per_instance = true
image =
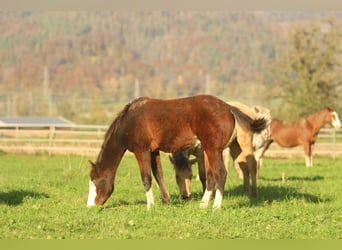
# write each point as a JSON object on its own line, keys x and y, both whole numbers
{"x": 147, "y": 126}
{"x": 303, "y": 131}
{"x": 241, "y": 150}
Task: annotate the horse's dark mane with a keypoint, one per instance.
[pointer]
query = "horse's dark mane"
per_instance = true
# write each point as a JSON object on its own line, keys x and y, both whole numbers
{"x": 117, "y": 121}
{"x": 181, "y": 162}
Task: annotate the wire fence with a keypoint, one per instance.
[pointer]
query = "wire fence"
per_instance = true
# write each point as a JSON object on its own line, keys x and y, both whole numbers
{"x": 87, "y": 140}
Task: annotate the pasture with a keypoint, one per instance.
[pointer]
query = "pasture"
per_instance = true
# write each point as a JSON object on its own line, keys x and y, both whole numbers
{"x": 44, "y": 197}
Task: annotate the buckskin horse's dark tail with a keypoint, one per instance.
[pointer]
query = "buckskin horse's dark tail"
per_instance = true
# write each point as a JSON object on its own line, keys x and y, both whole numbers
{"x": 248, "y": 123}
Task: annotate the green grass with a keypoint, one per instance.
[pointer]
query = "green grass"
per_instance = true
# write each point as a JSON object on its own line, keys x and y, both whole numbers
{"x": 44, "y": 197}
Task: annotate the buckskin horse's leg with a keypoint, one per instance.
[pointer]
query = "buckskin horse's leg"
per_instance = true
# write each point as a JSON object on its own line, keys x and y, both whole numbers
{"x": 159, "y": 176}
{"x": 240, "y": 159}
{"x": 244, "y": 139}
{"x": 144, "y": 162}
{"x": 252, "y": 168}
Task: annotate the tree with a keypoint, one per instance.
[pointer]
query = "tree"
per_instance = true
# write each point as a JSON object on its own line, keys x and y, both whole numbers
{"x": 310, "y": 72}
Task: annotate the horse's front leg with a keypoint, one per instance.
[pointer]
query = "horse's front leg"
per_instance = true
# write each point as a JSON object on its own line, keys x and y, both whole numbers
{"x": 159, "y": 176}
{"x": 210, "y": 184}
{"x": 144, "y": 162}
{"x": 308, "y": 153}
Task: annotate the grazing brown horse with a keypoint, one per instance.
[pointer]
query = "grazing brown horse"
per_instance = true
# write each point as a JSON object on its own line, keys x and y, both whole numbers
{"x": 241, "y": 149}
{"x": 303, "y": 131}
{"x": 183, "y": 168}
{"x": 147, "y": 126}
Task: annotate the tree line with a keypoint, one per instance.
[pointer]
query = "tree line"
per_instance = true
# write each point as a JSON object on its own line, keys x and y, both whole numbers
{"x": 87, "y": 65}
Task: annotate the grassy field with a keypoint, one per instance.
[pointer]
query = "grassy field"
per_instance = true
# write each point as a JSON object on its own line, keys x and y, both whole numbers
{"x": 44, "y": 197}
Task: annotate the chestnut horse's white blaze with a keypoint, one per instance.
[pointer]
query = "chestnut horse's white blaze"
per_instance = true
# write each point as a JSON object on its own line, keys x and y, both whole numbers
{"x": 336, "y": 123}
{"x": 92, "y": 194}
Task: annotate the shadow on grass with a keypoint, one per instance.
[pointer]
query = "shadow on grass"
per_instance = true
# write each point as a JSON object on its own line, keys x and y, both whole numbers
{"x": 269, "y": 194}
{"x": 122, "y": 203}
{"x": 16, "y": 197}
{"x": 266, "y": 195}
{"x": 295, "y": 178}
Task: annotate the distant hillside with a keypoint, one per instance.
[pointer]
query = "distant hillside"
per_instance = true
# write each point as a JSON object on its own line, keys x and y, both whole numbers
{"x": 83, "y": 64}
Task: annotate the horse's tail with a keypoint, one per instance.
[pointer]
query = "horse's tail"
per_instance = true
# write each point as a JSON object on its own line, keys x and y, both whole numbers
{"x": 255, "y": 125}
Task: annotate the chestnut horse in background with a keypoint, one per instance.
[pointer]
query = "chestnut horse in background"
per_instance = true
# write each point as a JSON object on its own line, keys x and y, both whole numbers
{"x": 147, "y": 126}
{"x": 303, "y": 131}
{"x": 244, "y": 143}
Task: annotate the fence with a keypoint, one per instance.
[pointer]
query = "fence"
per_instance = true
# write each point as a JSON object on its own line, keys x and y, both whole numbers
{"x": 87, "y": 140}
{"x": 34, "y": 138}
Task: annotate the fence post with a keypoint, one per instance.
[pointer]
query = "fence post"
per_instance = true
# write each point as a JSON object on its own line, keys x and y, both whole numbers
{"x": 334, "y": 143}
{"x": 51, "y": 135}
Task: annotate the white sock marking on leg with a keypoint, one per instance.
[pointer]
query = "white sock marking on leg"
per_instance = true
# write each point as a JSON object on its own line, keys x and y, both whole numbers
{"x": 150, "y": 198}
{"x": 218, "y": 200}
{"x": 307, "y": 161}
{"x": 205, "y": 199}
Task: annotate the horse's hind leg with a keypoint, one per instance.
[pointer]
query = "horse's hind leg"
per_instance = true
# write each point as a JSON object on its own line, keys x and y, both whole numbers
{"x": 239, "y": 158}
{"x": 216, "y": 174}
{"x": 245, "y": 142}
{"x": 159, "y": 176}
{"x": 252, "y": 168}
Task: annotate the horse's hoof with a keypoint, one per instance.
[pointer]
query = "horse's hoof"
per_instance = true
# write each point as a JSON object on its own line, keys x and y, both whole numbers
{"x": 217, "y": 207}
{"x": 203, "y": 205}
{"x": 185, "y": 197}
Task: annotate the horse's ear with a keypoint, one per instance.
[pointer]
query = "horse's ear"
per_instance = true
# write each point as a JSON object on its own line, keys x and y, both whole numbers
{"x": 92, "y": 164}
{"x": 256, "y": 109}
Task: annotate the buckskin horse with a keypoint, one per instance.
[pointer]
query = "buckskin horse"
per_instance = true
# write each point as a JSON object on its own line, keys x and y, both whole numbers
{"x": 146, "y": 126}
{"x": 303, "y": 131}
{"x": 245, "y": 143}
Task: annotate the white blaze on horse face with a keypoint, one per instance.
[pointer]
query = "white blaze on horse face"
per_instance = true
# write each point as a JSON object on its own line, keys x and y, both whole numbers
{"x": 92, "y": 194}
{"x": 150, "y": 198}
{"x": 336, "y": 123}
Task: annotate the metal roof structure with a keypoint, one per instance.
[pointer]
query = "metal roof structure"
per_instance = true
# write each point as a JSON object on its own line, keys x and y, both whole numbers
{"x": 31, "y": 121}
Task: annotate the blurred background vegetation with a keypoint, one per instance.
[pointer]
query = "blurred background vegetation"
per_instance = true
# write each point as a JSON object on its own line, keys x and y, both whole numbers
{"x": 86, "y": 66}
